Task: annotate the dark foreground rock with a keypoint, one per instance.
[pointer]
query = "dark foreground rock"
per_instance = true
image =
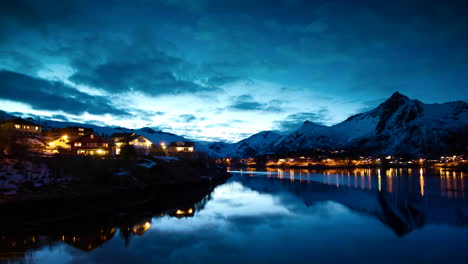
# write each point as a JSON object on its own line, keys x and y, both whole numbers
{"x": 91, "y": 188}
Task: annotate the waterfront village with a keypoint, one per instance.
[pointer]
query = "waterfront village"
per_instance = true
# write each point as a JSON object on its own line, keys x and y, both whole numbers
{"x": 329, "y": 160}
{"x": 63, "y": 160}
{"x": 83, "y": 141}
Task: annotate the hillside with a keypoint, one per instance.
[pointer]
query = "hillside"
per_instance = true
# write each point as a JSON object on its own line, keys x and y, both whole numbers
{"x": 397, "y": 126}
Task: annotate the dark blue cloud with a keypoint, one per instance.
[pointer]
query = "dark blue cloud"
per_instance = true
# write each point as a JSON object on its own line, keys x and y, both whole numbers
{"x": 294, "y": 121}
{"x": 341, "y": 47}
{"x": 53, "y": 96}
{"x": 187, "y": 118}
{"x": 246, "y": 102}
{"x": 222, "y": 80}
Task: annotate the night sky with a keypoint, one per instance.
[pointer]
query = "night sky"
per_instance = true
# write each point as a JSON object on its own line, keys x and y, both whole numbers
{"x": 223, "y": 70}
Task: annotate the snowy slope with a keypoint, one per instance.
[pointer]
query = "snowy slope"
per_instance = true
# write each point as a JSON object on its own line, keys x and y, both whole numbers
{"x": 397, "y": 126}
{"x": 254, "y": 145}
{"x": 411, "y": 127}
{"x": 308, "y": 136}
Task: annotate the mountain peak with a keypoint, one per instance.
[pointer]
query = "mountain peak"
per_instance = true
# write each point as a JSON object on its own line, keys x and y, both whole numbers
{"x": 147, "y": 130}
{"x": 396, "y": 96}
{"x": 396, "y": 100}
{"x": 400, "y": 109}
{"x": 308, "y": 123}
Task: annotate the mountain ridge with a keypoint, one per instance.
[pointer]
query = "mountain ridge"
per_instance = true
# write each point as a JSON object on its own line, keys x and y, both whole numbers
{"x": 399, "y": 125}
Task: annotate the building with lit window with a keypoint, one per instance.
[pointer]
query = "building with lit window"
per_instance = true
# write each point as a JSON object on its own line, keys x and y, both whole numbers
{"x": 181, "y": 147}
{"x": 71, "y": 132}
{"x": 91, "y": 144}
{"x": 23, "y": 126}
{"x": 142, "y": 144}
{"x": 62, "y": 143}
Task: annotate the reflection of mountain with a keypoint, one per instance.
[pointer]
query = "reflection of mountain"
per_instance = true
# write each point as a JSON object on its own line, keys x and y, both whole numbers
{"x": 17, "y": 247}
{"x": 402, "y": 211}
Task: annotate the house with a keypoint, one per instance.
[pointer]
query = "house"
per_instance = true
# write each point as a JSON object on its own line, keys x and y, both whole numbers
{"x": 22, "y": 126}
{"x": 141, "y": 228}
{"x": 181, "y": 147}
{"x": 91, "y": 144}
{"x": 142, "y": 144}
{"x": 70, "y": 132}
{"x": 60, "y": 143}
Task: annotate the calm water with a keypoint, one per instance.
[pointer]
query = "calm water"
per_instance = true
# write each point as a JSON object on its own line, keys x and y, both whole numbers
{"x": 276, "y": 216}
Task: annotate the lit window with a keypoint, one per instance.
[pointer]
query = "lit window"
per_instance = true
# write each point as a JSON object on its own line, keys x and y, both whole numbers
{"x": 105, "y": 145}
{"x": 91, "y": 136}
{"x": 17, "y": 126}
{"x": 80, "y": 129}
{"x": 37, "y": 128}
{"x": 77, "y": 144}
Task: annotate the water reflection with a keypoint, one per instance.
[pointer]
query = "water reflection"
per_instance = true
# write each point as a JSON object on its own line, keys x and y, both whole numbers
{"x": 89, "y": 240}
{"x": 452, "y": 183}
{"x": 384, "y": 216}
{"x": 20, "y": 245}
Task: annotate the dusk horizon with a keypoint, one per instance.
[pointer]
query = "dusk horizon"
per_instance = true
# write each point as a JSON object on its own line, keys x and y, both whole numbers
{"x": 223, "y": 72}
{"x": 291, "y": 126}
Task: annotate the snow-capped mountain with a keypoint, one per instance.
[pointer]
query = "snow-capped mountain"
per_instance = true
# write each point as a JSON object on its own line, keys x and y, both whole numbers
{"x": 397, "y": 126}
{"x": 409, "y": 126}
{"x": 254, "y": 145}
{"x": 308, "y": 136}
{"x": 5, "y": 115}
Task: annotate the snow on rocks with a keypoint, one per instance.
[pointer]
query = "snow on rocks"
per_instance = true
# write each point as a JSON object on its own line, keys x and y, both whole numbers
{"x": 166, "y": 158}
{"x": 15, "y": 175}
{"x": 147, "y": 163}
